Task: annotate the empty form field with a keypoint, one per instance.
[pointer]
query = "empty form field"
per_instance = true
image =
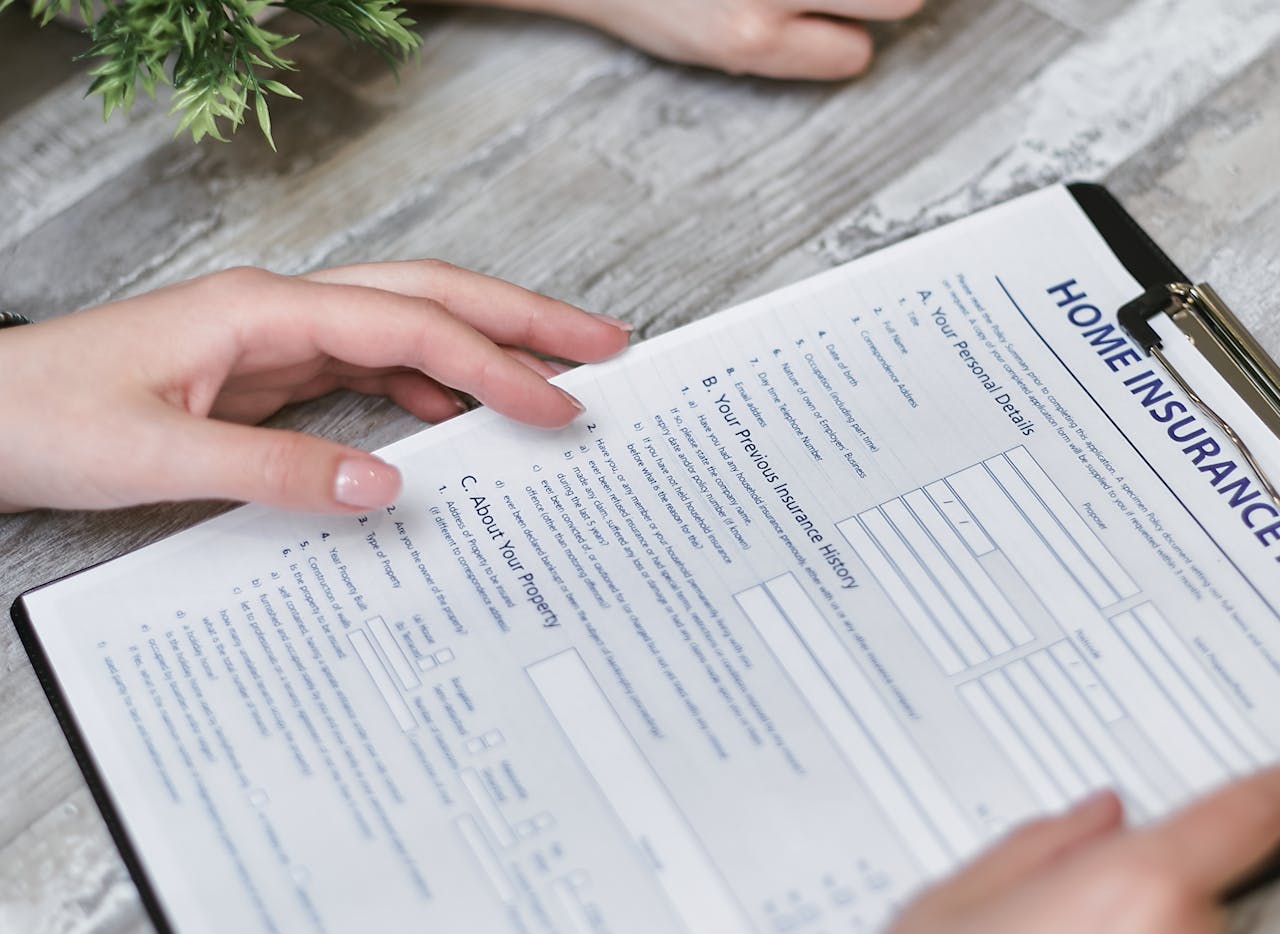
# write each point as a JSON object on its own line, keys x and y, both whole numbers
{"x": 1182, "y": 662}
{"x": 1032, "y": 730}
{"x": 394, "y": 654}
{"x": 1055, "y": 537}
{"x": 895, "y": 585}
{"x": 628, "y": 783}
{"x": 1164, "y": 710}
{"x": 935, "y": 562}
{"x": 487, "y": 807}
{"x": 989, "y": 714}
{"x": 1038, "y": 697}
{"x": 488, "y": 860}
{"x": 1026, "y": 549}
{"x": 1203, "y": 715}
{"x": 871, "y": 740}
{"x": 1054, "y": 667}
{"x": 934, "y": 609}
{"x": 382, "y": 681}
{"x": 1081, "y": 534}
{"x": 994, "y": 608}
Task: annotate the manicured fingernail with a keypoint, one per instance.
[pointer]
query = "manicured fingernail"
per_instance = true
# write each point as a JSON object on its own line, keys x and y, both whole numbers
{"x": 366, "y": 483}
{"x": 572, "y": 401}
{"x": 1096, "y": 802}
{"x": 559, "y": 367}
{"x": 615, "y": 322}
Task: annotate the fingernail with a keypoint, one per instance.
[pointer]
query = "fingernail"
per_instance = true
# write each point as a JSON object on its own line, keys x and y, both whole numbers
{"x": 558, "y": 366}
{"x": 1097, "y": 801}
{"x": 366, "y": 483}
{"x": 461, "y": 404}
{"x": 572, "y": 401}
{"x": 615, "y": 322}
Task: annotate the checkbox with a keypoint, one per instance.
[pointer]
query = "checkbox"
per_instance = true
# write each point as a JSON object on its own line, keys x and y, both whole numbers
{"x": 444, "y": 656}
{"x": 493, "y": 738}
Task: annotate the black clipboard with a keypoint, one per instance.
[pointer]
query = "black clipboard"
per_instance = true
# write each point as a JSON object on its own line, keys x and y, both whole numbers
{"x": 1165, "y": 291}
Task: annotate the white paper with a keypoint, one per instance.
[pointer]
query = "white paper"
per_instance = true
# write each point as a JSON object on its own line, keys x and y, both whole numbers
{"x": 821, "y": 596}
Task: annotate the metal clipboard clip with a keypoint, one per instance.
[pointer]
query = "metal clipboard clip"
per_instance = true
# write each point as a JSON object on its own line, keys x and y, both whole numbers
{"x": 1211, "y": 327}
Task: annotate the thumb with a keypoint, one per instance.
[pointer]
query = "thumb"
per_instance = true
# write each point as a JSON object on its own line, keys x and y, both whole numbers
{"x": 1035, "y": 845}
{"x": 210, "y": 459}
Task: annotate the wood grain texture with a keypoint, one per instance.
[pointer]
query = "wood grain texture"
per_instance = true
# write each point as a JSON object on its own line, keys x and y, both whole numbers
{"x": 551, "y": 155}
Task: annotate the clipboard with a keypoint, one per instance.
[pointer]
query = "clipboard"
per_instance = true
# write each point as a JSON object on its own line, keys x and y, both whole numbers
{"x": 1221, "y": 340}
{"x": 1200, "y": 314}
{"x": 1197, "y": 312}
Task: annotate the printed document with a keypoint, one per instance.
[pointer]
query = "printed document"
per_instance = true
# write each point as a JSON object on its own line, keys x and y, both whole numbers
{"x": 822, "y": 595}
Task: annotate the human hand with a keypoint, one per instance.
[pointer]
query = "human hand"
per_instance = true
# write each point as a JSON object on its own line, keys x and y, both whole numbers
{"x": 108, "y": 407}
{"x": 1085, "y": 873}
{"x": 810, "y": 39}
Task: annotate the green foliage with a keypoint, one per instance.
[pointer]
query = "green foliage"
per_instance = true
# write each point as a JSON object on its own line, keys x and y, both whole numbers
{"x": 215, "y": 53}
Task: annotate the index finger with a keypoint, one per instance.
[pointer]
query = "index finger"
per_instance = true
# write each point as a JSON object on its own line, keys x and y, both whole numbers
{"x": 1217, "y": 841}
{"x": 502, "y": 311}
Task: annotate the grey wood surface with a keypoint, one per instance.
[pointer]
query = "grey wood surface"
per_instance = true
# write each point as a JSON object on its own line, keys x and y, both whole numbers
{"x": 550, "y": 155}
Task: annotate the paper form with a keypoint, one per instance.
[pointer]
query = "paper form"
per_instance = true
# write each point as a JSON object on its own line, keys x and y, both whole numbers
{"x": 821, "y": 596}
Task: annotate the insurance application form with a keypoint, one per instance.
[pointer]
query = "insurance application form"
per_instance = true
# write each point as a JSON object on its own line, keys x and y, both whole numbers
{"x": 821, "y": 596}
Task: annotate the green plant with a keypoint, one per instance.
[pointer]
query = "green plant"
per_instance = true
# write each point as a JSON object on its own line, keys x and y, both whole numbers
{"x": 216, "y": 54}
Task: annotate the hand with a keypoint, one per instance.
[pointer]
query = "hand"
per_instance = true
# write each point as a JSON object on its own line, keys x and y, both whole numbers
{"x": 1084, "y": 873}
{"x": 811, "y": 39}
{"x": 108, "y": 407}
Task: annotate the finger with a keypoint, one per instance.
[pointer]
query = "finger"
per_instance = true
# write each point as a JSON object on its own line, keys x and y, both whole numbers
{"x": 1215, "y": 842}
{"x": 544, "y": 368}
{"x": 200, "y": 458}
{"x": 504, "y": 312}
{"x": 1035, "y": 845}
{"x": 863, "y": 9}
{"x": 815, "y": 48}
{"x": 418, "y": 395}
{"x": 373, "y": 328}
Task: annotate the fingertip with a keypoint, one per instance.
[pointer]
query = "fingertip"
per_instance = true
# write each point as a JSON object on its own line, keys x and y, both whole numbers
{"x": 610, "y": 336}
{"x": 366, "y": 482}
{"x": 626, "y": 327}
{"x": 818, "y": 48}
{"x": 1102, "y": 808}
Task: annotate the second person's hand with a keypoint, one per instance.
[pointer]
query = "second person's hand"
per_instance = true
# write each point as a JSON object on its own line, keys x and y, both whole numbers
{"x": 807, "y": 39}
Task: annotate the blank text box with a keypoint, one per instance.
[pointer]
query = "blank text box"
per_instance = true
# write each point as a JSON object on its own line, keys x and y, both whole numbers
{"x": 627, "y": 781}
{"x": 940, "y": 566}
{"x": 990, "y": 715}
{"x": 919, "y": 575}
{"x": 395, "y": 655}
{"x": 1076, "y": 527}
{"x": 872, "y": 713}
{"x": 851, "y": 736}
{"x": 1083, "y": 716}
{"x": 1159, "y": 712}
{"x": 971, "y": 571}
{"x": 381, "y": 680}
{"x": 882, "y": 570}
{"x": 1064, "y": 547}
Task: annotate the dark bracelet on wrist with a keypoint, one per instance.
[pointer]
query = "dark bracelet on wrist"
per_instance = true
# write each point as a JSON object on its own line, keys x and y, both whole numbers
{"x": 9, "y": 319}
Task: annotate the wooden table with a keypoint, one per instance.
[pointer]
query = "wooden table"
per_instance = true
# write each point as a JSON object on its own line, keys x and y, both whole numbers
{"x": 550, "y": 155}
